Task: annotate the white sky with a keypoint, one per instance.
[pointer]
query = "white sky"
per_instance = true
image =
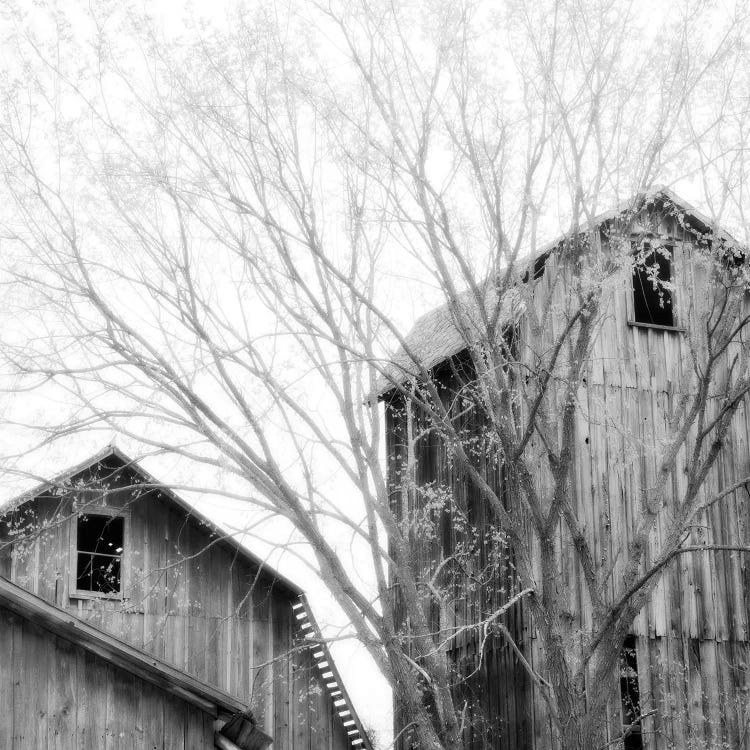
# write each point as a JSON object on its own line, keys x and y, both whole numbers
{"x": 366, "y": 687}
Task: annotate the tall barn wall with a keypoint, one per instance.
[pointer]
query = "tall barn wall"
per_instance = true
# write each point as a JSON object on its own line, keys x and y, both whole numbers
{"x": 691, "y": 639}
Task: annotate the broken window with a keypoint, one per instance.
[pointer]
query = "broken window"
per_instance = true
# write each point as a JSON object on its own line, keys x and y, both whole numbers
{"x": 99, "y": 550}
{"x": 630, "y": 696}
{"x": 652, "y": 287}
{"x": 536, "y": 271}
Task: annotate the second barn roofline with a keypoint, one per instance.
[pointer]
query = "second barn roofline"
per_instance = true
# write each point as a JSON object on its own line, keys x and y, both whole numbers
{"x": 434, "y": 338}
{"x": 151, "y": 483}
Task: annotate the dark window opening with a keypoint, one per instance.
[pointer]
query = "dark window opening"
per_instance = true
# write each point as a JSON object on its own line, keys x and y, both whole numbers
{"x": 99, "y": 554}
{"x": 536, "y": 271}
{"x": 652, "y": 297}
{"x": 733, "y": 258}
{"x": 511, "y": 342}
{"x": 630, "y": 696}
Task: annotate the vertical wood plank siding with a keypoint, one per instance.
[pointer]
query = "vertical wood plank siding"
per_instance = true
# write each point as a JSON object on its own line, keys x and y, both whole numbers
{"x": 54, "y": 694}
{"x": 489, "y": 681}
{"x": 190, "y": 599}
{"x": 692, "y": 637}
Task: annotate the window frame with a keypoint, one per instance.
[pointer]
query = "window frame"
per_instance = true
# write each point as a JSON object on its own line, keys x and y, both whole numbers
{"x": 636, "y": 247}
{"x": 99, "y": 510}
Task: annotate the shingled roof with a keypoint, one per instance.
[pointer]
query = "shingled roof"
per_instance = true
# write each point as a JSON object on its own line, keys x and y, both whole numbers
{"x": 438, "y": 335}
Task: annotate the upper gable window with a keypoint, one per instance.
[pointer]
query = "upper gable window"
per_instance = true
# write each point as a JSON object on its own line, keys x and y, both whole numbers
{"x": 99, "y": 550}
{"x": 652, "y": 287}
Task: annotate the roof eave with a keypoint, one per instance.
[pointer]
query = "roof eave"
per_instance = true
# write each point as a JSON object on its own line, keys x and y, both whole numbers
{"x": 137, "y": 662}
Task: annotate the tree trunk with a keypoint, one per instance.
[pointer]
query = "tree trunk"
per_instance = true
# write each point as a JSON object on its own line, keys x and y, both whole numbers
{"x": 583, "y": 730}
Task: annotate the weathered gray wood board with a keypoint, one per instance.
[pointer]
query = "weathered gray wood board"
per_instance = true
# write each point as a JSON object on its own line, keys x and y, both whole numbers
{"x": 55, "y": 694}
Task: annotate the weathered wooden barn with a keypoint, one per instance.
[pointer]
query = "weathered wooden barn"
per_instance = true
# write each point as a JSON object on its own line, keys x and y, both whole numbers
{"x": 685, "y": 665}
{"x": 128, "y": 620}
{"x": 67, "y": 684}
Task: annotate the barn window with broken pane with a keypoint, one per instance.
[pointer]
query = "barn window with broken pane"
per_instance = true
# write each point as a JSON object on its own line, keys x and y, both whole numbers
{"x": 652, "y": 285}
{"x": 98, "y": 553}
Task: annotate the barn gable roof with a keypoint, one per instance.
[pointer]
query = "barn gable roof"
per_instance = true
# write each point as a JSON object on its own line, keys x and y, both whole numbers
{"x": 436, "y": 337}
{"x": 147, "y": 481}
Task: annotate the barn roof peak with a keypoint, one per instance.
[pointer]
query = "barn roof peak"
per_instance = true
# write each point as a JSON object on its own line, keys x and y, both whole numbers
{"x": 146, "y": 480}
{"x": 435, "y": 337}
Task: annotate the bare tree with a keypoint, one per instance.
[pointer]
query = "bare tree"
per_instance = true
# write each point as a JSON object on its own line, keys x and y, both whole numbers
{"x": 212, "y": 234}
